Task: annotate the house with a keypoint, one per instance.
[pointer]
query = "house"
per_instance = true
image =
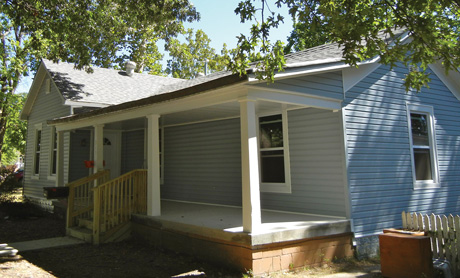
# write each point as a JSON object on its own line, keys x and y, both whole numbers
{"x": 259, "y": 176}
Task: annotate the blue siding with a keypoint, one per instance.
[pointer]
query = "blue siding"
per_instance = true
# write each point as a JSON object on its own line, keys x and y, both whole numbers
{"x": 327, "y": 85}
{"x": 380, "y": 173}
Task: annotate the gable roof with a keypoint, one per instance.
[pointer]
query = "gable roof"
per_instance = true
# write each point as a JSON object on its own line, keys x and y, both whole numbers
{"x": 330, "y": 52}
{"x": 104, "y": 86}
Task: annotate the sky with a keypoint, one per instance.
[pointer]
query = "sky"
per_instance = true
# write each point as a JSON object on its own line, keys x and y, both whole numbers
{"x": 220, "y": 23}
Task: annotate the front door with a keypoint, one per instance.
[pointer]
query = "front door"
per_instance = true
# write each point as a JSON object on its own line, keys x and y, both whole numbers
{"x": 112, "y": 152}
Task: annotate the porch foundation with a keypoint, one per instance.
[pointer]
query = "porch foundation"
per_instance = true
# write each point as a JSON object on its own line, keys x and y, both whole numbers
{"x": 240, "y": 250}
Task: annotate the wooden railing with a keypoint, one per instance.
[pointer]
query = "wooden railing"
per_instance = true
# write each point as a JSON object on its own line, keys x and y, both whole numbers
{"x": 116, "y": 200}
{"x": 444, "y": 232}
{"x": 80, "y": 200}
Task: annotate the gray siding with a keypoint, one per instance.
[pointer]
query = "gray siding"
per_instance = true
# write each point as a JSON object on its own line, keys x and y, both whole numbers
{"x": 324, "y": 85}
{"x": 132, "y": 151}
{"x": 202, "y": 163}
{"x": 317, "y": 165}
{"x": 80, "y": 146}
{"x": 380, "y": 173}
{"x": 47, "y": 106}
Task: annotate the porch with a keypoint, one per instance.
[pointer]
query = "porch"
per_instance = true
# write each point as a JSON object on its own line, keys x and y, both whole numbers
{"x": 225, "y": 223}
{"x": 284, "y": 240}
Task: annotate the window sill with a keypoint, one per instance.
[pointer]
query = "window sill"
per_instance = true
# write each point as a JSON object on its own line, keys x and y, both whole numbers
{"x": 275, "y": 188}
{"x": 426, "y": 185}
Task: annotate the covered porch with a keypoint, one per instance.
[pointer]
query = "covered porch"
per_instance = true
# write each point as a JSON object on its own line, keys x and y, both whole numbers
{"x": 205, "y": 172}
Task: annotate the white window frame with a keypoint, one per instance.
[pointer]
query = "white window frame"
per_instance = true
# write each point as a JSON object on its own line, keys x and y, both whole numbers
{"x": 276, "y": 187}
{"x": 53, "y": 136}
{"x": 428, "y": 111}
{"x": 38, "y": 128}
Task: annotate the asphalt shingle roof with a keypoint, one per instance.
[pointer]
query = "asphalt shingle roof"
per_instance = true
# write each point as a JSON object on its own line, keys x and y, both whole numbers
{"x": 105, "y": 86}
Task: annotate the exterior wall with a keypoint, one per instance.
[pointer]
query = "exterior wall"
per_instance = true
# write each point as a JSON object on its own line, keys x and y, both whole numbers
{"x": 132, "y": 151}
{"x": 323, "y": 85}
{"x": 46, "y": 106}
{"x": 203, "y": 164}
{"x": 80, "y": 146}
{"x": 317, "y": 165}
{"x": 379, "y": 155}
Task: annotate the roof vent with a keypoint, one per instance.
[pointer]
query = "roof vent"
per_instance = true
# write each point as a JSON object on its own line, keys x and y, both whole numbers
{"x": 130, "y": 66}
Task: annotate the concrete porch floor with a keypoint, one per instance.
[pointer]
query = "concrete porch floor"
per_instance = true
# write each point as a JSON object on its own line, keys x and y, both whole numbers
{"x": 225, "y": 223}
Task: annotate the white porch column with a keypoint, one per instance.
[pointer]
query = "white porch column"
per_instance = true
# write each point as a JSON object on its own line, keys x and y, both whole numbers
{"x": 250, "y": 167}
{"x": 98, "y": 148}
{"x": 153, "y": 162}
{"x": 60, "y": 159}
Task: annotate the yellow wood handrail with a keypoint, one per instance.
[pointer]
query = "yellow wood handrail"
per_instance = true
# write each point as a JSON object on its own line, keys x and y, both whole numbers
{"x": 80, "y": 199}
{"x": 116, "y": 200}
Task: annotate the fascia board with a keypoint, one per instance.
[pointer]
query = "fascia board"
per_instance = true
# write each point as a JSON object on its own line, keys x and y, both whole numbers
{"x": 451, "y": 80}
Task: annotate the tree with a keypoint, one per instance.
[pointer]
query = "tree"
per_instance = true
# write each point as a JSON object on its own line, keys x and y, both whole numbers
{"x": 85, "y": 32}
{"x": 194, "y": 56}
{"x": 15, "y": 135}
{"x": 357, "y": 25}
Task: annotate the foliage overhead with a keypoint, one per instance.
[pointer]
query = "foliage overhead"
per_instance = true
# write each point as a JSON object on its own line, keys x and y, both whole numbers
{"x": 194, "y": 56}
{"x": 15, "y": 135}
{"x": 357, "y": 26}
{"x": 84, "y": 32}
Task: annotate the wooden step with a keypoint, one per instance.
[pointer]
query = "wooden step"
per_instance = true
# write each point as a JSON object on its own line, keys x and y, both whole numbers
{"x": 85, "y": 223}
{"x": 81, "y": 233}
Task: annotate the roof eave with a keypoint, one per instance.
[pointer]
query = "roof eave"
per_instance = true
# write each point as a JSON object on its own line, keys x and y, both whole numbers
{"x": 167, "y": 96}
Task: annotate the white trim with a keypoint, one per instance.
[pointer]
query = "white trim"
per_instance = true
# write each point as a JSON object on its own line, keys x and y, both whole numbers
{"x": 452, "y": 81}
{"x": 78, "y": 104}
{"x": 345, "y": 163}
{"x": 51, "y": 175}
{"x": 37, "y": 127}
{"x": 204, "y": 121}
{"x": 250, "y": 173}
{"x": 205, "y": 99}
{"x": 287, "y": 97}
{"x": 285, "y": 187}
{"x": 153, "y": 176}
{"x": 426, "y": 110}
{"x": 352, "y": 76}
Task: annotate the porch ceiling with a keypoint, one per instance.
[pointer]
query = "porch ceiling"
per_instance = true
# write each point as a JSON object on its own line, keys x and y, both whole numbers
{"x": 214, "y": 112}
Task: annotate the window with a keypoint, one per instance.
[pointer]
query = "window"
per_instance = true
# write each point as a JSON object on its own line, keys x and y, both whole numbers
{"x": 423, "y": 146}
{"x": 37, "y": 150}
{"x": 274, "y": 155}
{"x": 53, "y": 154}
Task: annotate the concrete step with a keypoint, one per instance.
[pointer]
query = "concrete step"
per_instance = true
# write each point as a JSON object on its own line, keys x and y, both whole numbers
{"x": 81, "y": 233}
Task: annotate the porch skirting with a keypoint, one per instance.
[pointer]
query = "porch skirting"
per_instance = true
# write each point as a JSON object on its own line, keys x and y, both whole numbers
{"x": 239, "y": 250}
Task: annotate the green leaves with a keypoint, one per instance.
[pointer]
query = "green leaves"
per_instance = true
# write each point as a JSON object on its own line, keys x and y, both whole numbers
{"x": 85, "y": 32}
{"x": 362, "y": 27}
{"x": 194, "y": 56}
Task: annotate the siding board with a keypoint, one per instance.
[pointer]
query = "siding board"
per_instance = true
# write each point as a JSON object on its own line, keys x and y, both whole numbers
{"x": 46, "y": 107}
{"x": 379, "y": 157}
